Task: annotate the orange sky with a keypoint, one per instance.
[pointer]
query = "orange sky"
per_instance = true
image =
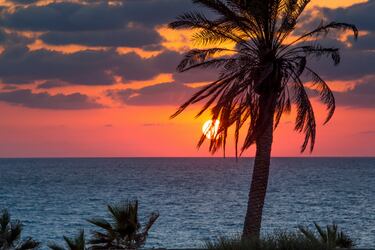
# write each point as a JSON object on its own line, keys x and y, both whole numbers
{"x": 147, "y": 131}
{"x": 122, "y": 130}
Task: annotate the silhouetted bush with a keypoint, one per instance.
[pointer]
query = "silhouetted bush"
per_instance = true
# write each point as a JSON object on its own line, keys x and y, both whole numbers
{"x": 124, "y": 230}
{"x": 10, "y": 234}
{"x": 77, "y": 243}
{"x": 304, "y": 239}
{"x": 330, "y": 237}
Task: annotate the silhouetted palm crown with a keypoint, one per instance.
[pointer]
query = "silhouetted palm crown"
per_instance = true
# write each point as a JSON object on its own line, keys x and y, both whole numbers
{"x": 10, "y": 235}
{"x": 77, "y": 243}
{"x": 124, "y": 230}
{"x": 268, "y": 61}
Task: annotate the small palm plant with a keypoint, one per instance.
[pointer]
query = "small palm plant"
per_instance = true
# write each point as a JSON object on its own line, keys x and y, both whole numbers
{"x": 124, "y": 231}
{"x": 77, "y": 243}
{"x": 329, "y": 238}
{"x": 10, "y": 235}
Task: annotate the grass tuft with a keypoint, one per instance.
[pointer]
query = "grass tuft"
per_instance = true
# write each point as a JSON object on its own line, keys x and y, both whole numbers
{"x": 304, "y": 239}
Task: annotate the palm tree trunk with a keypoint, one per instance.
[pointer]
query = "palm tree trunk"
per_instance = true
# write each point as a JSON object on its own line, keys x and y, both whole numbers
{"x": 260, "y": 175}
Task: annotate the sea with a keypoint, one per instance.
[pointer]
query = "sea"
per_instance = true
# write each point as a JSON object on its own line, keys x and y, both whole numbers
{"x": 199, "y": 199}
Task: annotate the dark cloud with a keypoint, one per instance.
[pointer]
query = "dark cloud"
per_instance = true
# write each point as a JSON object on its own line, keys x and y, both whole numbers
{"x": 98, "y": 15}
{"x": 132, "y": 23}
{"x": 355, "y": 64}
{"x": 24, "y": 1}
{"x": 136, "y": 68}
{"x": 20, "y": 65}
{"x": 160, "y": 94}
{"x": 63, "y": 16}
{"x": 362, "y": 96}
{"x": 193, "y": 76}
{"x": 130, "y": 37}
{"x": 97, "y": 23}
{"x": 156, "y": 12}
{"x": 11, "y": 39}
{"x": 9, "y": 87}
{"x": 153, "y": 47}
{"x": 357, "y": 60}
{"x": 362, "y": 15}
{"x": 92, "y": 23}
{"x": 366, "y": 42}
{"x": 2, "y": 36}
{"x": 46, "y": 101}
{"x": 51, "y": 85}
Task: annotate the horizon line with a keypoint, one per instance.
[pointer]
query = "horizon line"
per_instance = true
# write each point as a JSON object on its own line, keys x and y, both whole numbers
{"x": 177, "y": 157}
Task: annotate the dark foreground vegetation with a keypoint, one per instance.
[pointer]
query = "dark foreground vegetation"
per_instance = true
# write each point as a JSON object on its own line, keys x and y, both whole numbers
{"x": 10, "y": 234}
{"x": 305, "y": 239}
{"x": 123, "y": 230}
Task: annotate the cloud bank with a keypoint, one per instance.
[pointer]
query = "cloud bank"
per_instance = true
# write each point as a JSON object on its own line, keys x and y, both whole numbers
{"x": 101, "y": 27}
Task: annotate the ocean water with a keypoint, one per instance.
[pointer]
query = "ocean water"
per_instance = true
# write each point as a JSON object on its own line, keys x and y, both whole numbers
{"x": 197, "y": 198}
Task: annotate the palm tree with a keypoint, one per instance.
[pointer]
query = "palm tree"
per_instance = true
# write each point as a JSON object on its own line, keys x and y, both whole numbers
{"x": 329, "y": 238}
{"x": 259, "y": 80}
{"x": 77, "y": 243}
{"x": 124, "y": 231}
{"x": 10, "y": 234}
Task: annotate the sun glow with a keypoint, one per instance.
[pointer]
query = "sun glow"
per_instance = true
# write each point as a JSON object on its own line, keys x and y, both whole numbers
{"x": 210, "y": 128}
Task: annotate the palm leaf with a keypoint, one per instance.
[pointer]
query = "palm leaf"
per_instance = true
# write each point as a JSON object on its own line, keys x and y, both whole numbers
{"x": 261, "y": 64}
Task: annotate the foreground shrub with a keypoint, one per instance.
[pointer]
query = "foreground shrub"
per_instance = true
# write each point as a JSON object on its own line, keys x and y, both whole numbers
{"x": 304, "y": 239}
{"x": 124, "y": 230}
{"x": 330, "y": 237}
{"x": 10, "y": 234}
{"x": 77, "y": 243}
{"x": 279, "y": 241}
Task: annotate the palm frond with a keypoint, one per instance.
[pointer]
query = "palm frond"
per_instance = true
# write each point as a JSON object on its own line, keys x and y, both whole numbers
{"x": 100, "y": 223}
{"x": 28, "y": 244}
{"x": 324, "y": 29}
{"x": 10, "y": 234}
{"x": 328, "y": 238}
{"x": 293, "y": 10}
{"x": 326, "y": 95}
{"x": 54, "y": 246}
{"x": 4, "y": 220}
{"x": 199, "y": 58}
{"x": 305, "y": 119}
{"x": 319, "y": 51}
{"x": 261, "y": 78}
{"x": 123, "y": 231}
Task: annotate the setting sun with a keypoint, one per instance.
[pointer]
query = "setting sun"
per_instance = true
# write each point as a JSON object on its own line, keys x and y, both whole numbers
{"x": 210, "y": 128}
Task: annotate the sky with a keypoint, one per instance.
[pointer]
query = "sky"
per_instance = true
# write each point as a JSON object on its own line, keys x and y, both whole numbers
{"x": 98, "y": 79}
